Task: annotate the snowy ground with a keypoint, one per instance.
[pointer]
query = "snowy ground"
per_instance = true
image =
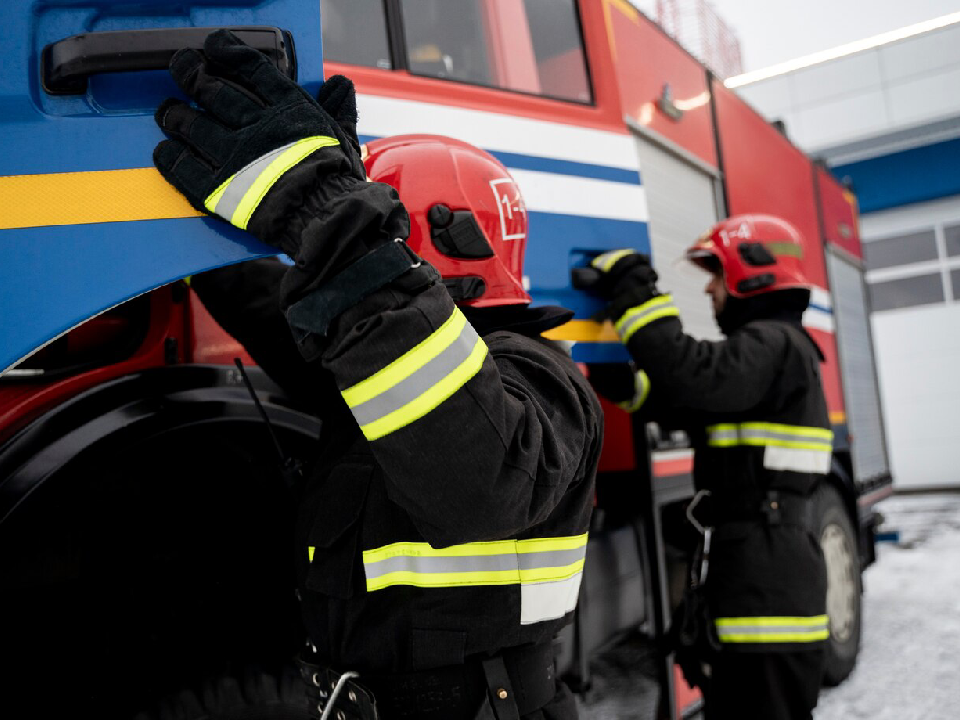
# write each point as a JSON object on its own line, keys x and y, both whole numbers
{"x": 909, "y": 667}
{"x": 910, "y": 660}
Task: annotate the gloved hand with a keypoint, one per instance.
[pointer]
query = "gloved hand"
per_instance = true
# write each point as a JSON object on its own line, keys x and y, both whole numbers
{"x": 622, "y": 271}
{"x": 260, "y": 144}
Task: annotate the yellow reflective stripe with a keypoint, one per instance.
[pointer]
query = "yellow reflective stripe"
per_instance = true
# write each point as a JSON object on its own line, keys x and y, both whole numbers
{"x": 607, "y": 260}
{"x": 211, "y": 202}
{"x": 269, "y": 177}
{"x": 642, "y": 389}
{"x": 430, "y": 399}
{"x": 775, "y": 637}
{"x": 532, "y": 545}
{"x": 238, "y": 197}
{"x": 408, "y": 363}
{"x": 772, "y": 621}
{"x": 550, "y": 574}
{"x": 637, "y": 317}
{"x": 773, "y": 629}
{"x": 797, "y": 436}
{"x": 421, "y": 549}
{"x": 520, "y": 562}
{"x": 488, "y": 547}
{"x": 805, "y": 430}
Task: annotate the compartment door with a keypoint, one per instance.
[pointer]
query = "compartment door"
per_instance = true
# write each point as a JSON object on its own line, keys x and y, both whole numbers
{"x": 86, "y": 222}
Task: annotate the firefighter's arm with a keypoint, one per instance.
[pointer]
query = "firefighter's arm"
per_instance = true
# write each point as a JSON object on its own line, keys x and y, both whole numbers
{"x": 686, "y": 375}
{"x": 727, "y": 376}
{"x": 244, "y": 299}
{"x": 479, "y": 438}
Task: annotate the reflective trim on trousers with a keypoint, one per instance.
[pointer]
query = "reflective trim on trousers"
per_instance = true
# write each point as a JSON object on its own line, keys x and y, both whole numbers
{"x": 773, "y": 629}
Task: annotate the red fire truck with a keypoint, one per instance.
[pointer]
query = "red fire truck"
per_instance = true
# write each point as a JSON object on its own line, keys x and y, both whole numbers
{"x": 144, "y": 520}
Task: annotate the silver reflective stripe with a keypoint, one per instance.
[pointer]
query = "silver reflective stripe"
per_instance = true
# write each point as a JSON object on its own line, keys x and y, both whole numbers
{"x": 548, "y": 570}
{"x": 797, "y": 448}
{"x": 551, "y": 558}
{"x": 442, "y": 565}
{"x": 418, "y": 382}
{"x": 797, "y": 459}
{"x": 800, "y": 434}
{"x": 239, "y": 196}
{"x": 548, "y": 600}
{"x": 606, "y": 261}
{"x": 635, "y": 318}
{"x": 242, "y": 182}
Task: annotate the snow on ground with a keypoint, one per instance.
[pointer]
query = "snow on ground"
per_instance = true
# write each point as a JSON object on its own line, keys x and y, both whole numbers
{"x": 909, "y": 663}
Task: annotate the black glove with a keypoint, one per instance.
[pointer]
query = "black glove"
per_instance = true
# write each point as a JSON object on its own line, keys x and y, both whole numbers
{"x": 622, "y": 271}
{"x": 260, "y": 144}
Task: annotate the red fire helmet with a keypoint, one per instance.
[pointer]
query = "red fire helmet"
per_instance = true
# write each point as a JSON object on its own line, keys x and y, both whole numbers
{"x": 467, "y": 217}
{"x": 758, "y": 254}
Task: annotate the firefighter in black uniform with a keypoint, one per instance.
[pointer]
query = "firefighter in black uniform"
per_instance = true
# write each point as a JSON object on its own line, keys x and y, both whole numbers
{"x": 752, "y": 635}
{"x": 442, "y": 529}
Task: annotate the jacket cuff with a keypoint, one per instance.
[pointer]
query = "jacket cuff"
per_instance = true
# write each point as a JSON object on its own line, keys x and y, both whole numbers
{"x": 639, "y": 316}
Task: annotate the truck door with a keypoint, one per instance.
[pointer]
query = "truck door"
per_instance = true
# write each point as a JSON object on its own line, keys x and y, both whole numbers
{"x": 86, "y": 222}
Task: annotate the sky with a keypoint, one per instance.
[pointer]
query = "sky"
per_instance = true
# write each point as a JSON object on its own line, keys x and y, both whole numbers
{"x": 772, "y": 31}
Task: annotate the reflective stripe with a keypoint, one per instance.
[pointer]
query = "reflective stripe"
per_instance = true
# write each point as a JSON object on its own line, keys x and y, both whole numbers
{"x": 548, "y": 600}
{"x": 635, "y": 318}
{"x": 606, "y": 261}
{"x": 797, "y": 459}
{"x": 773, "y": 629}
{"x": 642, "y": 389}
{"x": 237, "y": 198}
{"x": 762, "y": 433}
{"x": 547, "y": 569}
{"x": 788, "y": 447}
{"x": 418, "y": 381}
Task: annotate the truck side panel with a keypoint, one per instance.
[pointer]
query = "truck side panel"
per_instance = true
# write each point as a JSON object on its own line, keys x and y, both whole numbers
{"x": 84, "y": 209}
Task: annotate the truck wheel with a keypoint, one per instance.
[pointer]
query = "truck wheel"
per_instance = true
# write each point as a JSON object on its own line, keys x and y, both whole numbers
{"x": 255, "y": 694}
{"x": 839, "y": 544}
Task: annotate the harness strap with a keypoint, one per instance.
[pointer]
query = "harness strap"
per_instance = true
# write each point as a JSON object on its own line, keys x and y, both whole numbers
{"x": 517, "y": 681}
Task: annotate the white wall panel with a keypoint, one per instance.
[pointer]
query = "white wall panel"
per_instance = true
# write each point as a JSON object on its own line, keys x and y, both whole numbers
{"x": 846, "y": 76}
{"x": 846, "y": 118}
{"x": 921, "y": 54}
{"x": 925, "y": 98}
{"x": 918, "y": 354}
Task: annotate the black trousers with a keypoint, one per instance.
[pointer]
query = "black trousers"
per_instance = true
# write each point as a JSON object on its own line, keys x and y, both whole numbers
{"x": 764, "y": 686}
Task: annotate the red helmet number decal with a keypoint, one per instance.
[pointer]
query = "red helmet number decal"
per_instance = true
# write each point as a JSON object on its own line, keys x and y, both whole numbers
{"x": 513, "y": 212}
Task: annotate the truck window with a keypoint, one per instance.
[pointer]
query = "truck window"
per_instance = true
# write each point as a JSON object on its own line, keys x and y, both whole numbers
{"x": 531, "y": 46}
{"x": 355, "y": 32}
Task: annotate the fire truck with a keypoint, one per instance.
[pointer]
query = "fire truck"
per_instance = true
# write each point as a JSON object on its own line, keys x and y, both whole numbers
{"x": 145, "y": 548}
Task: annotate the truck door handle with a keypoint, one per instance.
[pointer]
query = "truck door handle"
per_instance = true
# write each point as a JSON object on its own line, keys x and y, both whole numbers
{"x": 69, "y": 62}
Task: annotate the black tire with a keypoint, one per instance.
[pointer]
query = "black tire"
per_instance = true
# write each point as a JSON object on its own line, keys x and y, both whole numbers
{"x": 254, "y": 694}
{"x": 844, "y": 589}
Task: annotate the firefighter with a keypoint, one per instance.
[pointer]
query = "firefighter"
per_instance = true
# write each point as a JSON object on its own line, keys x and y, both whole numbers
{"x": 752, "y": 628}
{"x": 442, "y": 527}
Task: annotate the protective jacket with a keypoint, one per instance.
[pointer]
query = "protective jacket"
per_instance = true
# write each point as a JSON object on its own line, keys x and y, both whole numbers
{"x": 446, "y": 515}
{"x": 754, "y": 408}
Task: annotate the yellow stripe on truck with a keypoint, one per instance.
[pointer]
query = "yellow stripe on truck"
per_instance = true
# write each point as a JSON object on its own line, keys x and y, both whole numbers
{"x": 83, "y": 198}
